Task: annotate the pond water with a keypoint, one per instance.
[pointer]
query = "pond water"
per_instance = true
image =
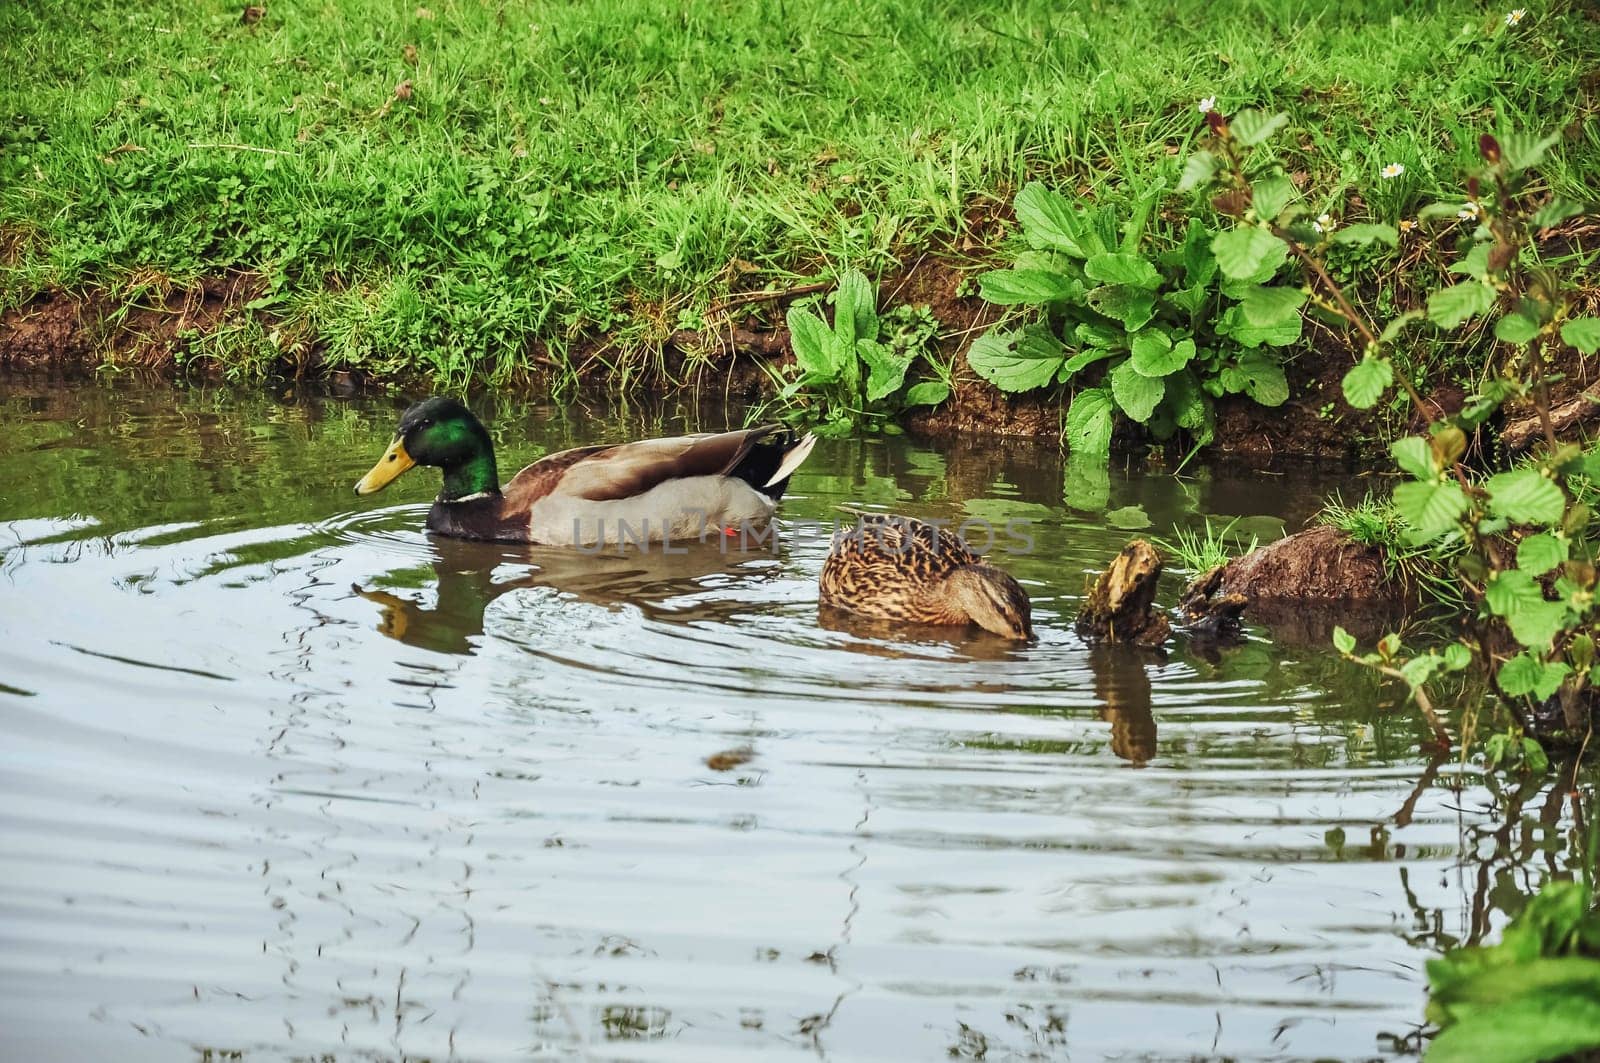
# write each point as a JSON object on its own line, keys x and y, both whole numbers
{"x": 280, "y": 775}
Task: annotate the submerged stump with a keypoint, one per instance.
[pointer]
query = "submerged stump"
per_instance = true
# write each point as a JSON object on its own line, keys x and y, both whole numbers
{"x": 1121, "y": 605}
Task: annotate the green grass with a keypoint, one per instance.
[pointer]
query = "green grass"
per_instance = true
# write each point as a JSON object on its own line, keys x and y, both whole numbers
{"x": 1374, "y": 521}
{"x": 562, "y": 170}
{"x": 1198, "y": 552}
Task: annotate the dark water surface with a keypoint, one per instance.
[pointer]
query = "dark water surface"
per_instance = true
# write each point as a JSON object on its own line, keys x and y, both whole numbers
{"x": 280, "y": 775}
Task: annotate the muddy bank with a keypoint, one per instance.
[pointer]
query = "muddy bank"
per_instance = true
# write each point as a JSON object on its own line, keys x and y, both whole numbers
{"x": 173, "y": 328}
{"x": 1304, "y": 584}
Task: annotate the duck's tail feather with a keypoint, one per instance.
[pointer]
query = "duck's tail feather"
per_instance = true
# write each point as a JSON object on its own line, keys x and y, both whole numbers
{"x": 769, "y": 464}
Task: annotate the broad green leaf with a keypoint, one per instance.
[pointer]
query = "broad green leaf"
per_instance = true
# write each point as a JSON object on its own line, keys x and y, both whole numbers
{"x": 1136, "y": 395}
{"x": 1186, "y": 401}
{"x": 1457, "y": 656}
{"x": 809, "y": 335}
{"x": 854, "y": 314}
{"x": 1270, "y": 195}
{"x": 1527, "y": 674}
{"x": 1343, "y": 641}
{"x": 1451, "y": 306}
{"x": 1198, "y": 170}
{"x": 1134, "y": 307}
{"x": 1366, "y": 382}
{"x": 1250, "y": 127}
{"x": 1399, "y": 325}
{"x": 1430, "y": 509}
{"x": 1155, "y": 355}
{"x": 1025, "y": 287}
{"x": 1084, "y": 358}
{"x": 1234, "y": 323}
{"x": 927, "y": 393}
{"x": 1245, "y": 253}
{"x": 1475, "y": 263}
{"x": 1089, "y": 419}
{"x": 1522, "y": 150}
{"x": 1523, "y": 496}
{"x": 1049, "y": 220}
{"x": 1199, "y": 264}
{"x": 1510, "y": 591}
{"x": 1538, "y": 554}
{"x": 1527, "y": 1029}
{"x": 1187, "y": 300}
{"x": 1368, "y": 233}
{"x": 1094, "y": 334}
{"x": 1582, "y": 333}
{"x": 1017, "y": 360}
{"x": 1415, "y": 456}
{"x": 1515, "y": 328}
{"x": 1271, "y": 307}
{"x": 886, "y": 370}
{"x": 1264, "y": 379}
{"x": 1557, "y": 211}
{"x": 1120, "y": 268}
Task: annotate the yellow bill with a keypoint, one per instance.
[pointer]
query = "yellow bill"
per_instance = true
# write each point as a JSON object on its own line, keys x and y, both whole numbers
{"x": 395, "y": 461}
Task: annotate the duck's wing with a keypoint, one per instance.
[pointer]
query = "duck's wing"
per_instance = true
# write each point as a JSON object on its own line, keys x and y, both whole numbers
{"x": 909, "y": 545}
{"x": 606, "y": 473}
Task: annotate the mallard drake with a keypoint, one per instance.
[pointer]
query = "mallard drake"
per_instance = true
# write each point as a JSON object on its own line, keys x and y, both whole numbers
{"x": 897, "y": 568}
{"x": 651, "y": 490}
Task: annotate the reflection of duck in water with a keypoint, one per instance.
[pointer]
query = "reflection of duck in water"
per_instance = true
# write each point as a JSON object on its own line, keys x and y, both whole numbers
{"x": 1120, "y": 680}
{"x": 900, "y": 569}
{"x": 651, "y": 490}
{"x": 468, "y": 576}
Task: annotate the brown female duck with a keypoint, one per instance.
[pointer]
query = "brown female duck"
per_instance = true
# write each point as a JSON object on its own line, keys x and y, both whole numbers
{"x": 651, "y": 490}
{"x": 896, "y": 568}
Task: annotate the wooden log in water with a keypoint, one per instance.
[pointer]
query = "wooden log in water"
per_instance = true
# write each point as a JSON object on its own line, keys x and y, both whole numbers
{"x": 1121, "y": 604}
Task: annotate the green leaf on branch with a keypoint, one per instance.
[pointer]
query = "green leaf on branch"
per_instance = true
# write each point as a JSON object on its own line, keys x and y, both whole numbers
{"x": 1582, "y": 333}
{"x": 1270, "y": 195}
{"x": 1366, "y": 382}
{"x": 1475, "y": 263}
{"x": 1538, "y": 554}
{"x": 1121, "y": 268}
{"x": 1430, "y": 509}
{"x": 1198, "y": 170}
{"x": 1248, "y": 253}
{"x": 1343, "y": 641}
{"x": 1089, "y": 421}
{"x": 1524, "y": 496}
{"x": 1155, "y": 355}
{"x": 1083, "y": 359}
{"x": 1415, "y": 456}
{"x": 1234, "y": 323}
{"x": 1449, "y": 307}
{"x": 1018, "y": 360}
{"x": 1515, "y": 328}
{"x": 1263, "y": 378}
{"x": 1136, "y": 395}
{"x": 1522, "y": 150}
{"x": 1026, "y": 287}
{"x": 1557, "y": 211}
{"x": 1250, "y": 127}
{"x": 1368, "y": 233}
{"x": 1271, "y": 307}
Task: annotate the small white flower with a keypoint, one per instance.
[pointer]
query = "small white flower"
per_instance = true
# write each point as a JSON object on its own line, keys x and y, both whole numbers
{"x": 1391, "y": 171}
{"x": 1207, "y": 105}
{"x": 1323, "y": 223}
{"x": 1515, "y": 16}
{"x": 1470, "y": 211}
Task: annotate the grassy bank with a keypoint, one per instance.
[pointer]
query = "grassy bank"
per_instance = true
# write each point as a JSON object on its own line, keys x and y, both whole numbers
{"x": 464, "y": 188}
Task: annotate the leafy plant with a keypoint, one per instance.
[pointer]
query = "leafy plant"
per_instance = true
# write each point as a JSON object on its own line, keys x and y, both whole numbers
{"x": 1520, "y": 543}
{"x": 847, "y": 375}
{"x": 1153, "y": 335}
{"x": 1534, "y": 996}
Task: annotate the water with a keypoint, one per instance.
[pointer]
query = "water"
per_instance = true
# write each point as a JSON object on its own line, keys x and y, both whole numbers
{"x": 281, "y": 776}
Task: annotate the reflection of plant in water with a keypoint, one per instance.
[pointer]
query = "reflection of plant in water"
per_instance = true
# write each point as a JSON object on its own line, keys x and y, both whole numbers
{"x": 625, "y": 1022}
